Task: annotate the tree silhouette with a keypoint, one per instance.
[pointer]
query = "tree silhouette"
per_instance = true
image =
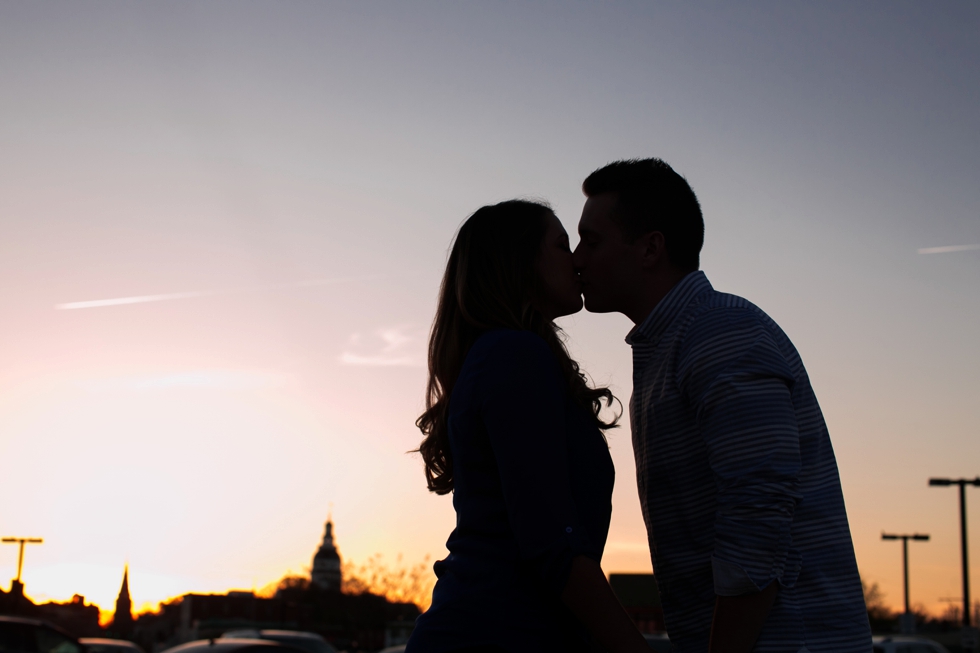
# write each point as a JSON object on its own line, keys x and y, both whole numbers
{"x": 397, "y": 583}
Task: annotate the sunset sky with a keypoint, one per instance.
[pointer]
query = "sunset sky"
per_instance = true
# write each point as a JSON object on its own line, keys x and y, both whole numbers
{"x": 278, "y": 183}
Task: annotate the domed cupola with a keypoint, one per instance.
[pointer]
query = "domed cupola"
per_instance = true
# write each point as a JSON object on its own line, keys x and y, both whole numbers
{"x": 326, "y": 564}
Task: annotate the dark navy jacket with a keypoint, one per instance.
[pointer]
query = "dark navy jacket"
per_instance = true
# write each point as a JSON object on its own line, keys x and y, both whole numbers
{"x": 533, "y": 484}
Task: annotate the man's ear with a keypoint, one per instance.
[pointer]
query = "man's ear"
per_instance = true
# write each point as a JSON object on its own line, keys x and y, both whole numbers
{"x": 653, "y": 252}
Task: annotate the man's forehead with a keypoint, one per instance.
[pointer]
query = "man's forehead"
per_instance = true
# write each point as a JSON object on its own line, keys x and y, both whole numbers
{"x": 597, "y": 213}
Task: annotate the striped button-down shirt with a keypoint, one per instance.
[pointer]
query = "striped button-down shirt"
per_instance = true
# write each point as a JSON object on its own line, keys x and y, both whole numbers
{"x": 737, "y": 477}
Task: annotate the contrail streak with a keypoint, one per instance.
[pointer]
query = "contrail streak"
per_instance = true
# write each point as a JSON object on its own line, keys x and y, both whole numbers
{"x": 949, "y": 248}
{"x": 96, "y": 303}
{"x": 142, "y": 299}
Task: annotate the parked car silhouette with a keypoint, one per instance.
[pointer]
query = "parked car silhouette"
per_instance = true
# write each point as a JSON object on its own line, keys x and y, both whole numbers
{"x": 657, "y": 642}
{"x": 903, "y": 644}
{"x": 234, "y": 646}
{"x": 20, "y": 635}
{"x": 103, "y": 645}
{"x": 309, "y": 642}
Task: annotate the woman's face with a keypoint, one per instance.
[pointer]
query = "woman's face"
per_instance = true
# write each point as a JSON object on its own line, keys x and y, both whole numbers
{"x": 560, "y": 285}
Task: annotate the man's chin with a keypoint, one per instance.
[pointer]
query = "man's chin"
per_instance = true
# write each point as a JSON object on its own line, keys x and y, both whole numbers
{"x": 595, "y": 306}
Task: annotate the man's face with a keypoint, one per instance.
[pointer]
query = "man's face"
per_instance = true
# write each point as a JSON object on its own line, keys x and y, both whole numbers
{"x": 608, "y": 266}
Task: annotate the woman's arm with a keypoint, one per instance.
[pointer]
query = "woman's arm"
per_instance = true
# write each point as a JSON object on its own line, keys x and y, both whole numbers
{"x": 588, "y": 595}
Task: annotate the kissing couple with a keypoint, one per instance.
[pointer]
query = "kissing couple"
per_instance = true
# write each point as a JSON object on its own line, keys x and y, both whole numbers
{"x": 735, "y": 470}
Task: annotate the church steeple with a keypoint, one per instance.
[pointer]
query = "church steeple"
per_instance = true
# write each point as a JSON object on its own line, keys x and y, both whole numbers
{"x": 325, "y": 574}
{"x": 122, "y": 619}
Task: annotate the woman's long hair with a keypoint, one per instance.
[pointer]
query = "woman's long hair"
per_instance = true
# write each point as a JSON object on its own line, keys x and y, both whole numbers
{"x": 491, "y": 282}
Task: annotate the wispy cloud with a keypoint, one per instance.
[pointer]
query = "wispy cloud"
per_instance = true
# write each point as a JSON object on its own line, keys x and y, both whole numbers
{"x": 399, "y": 346}
{"x": 949, "y": 249}
{"x": 194, "y": 379}
{"x": 142, "y": 299}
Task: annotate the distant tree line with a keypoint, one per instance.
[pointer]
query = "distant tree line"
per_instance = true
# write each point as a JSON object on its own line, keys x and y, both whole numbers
{"x": 884, "y": 620}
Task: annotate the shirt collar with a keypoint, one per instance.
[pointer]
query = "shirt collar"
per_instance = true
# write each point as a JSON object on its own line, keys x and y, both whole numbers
{"x": 668, "y": 308}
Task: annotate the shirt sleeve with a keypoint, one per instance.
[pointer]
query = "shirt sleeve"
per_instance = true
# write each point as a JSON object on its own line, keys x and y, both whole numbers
{"x": 524, "y": 415}
{"x": 739, "y": 383}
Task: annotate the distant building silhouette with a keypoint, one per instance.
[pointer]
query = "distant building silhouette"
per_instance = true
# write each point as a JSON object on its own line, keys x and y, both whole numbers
{"x": 122, "y": 618}
{"x": 77, "y": 617}
{"x": 356, "y": 621}
{"x": 325, "y": 574}
{"x": 343, "y": 619}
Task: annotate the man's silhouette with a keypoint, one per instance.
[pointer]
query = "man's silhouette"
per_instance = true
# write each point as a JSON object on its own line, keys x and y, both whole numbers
{"x": 736, "y": 473}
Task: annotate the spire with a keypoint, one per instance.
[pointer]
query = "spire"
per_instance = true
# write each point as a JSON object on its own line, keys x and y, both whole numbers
{"x": 122, "y": 619}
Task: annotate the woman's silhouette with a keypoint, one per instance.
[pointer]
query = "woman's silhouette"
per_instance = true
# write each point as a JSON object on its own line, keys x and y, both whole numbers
{"x": 513, "y": 429}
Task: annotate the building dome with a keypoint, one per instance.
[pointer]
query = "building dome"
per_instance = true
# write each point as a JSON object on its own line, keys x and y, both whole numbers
{"x": 326, "y": 564}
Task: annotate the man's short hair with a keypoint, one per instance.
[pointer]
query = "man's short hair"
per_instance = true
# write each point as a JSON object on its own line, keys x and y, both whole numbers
{"x": 650, "y": 196}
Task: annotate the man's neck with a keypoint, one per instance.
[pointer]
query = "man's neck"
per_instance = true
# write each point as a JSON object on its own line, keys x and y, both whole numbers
{"x": 656, "y": 288}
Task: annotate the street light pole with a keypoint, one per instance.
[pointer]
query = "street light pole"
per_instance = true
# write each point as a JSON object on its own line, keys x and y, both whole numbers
{"x": 907, "y": 622}
{"x": 962, "y": 483}
{"x": 17, "y": 585}
{"x": 965, "y": 548}
{"x": 22, "y": 541}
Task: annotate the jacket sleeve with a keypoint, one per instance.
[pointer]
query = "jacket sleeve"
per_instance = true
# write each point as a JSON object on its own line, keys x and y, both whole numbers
{"x": 524, "y": 414}
{"x": 734, "y": 375}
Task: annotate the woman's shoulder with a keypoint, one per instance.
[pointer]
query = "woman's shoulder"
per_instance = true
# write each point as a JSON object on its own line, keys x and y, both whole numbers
{"x": 508, "y": 353}
{"x": 504, "y": 358}
{"x": 508, "y": 345}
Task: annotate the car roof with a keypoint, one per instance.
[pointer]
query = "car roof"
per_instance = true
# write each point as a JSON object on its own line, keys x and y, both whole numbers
{"x": 37, "y": 623}
{"x": 23, "y": 620}
{"x": 289, "y": 633}
{"x": 251, "y": 633}
{"x": 229, "y": 645}
{"x": 106, "y": 641}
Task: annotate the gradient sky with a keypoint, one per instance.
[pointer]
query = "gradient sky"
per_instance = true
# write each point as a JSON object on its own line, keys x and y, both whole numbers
{"x": 289, "y": 175}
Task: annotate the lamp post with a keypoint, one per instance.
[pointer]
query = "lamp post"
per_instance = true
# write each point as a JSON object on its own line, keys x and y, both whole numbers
{"x": 908, "y": 621}
{"x": 970, "y": 639}
{"x": 962, "y": 483}
{"x": 16, "y": 586}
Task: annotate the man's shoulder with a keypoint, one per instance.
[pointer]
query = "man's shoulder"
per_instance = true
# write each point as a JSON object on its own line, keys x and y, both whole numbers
{"x": 722, "y": 328}
{"x": 719, "y": 311}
